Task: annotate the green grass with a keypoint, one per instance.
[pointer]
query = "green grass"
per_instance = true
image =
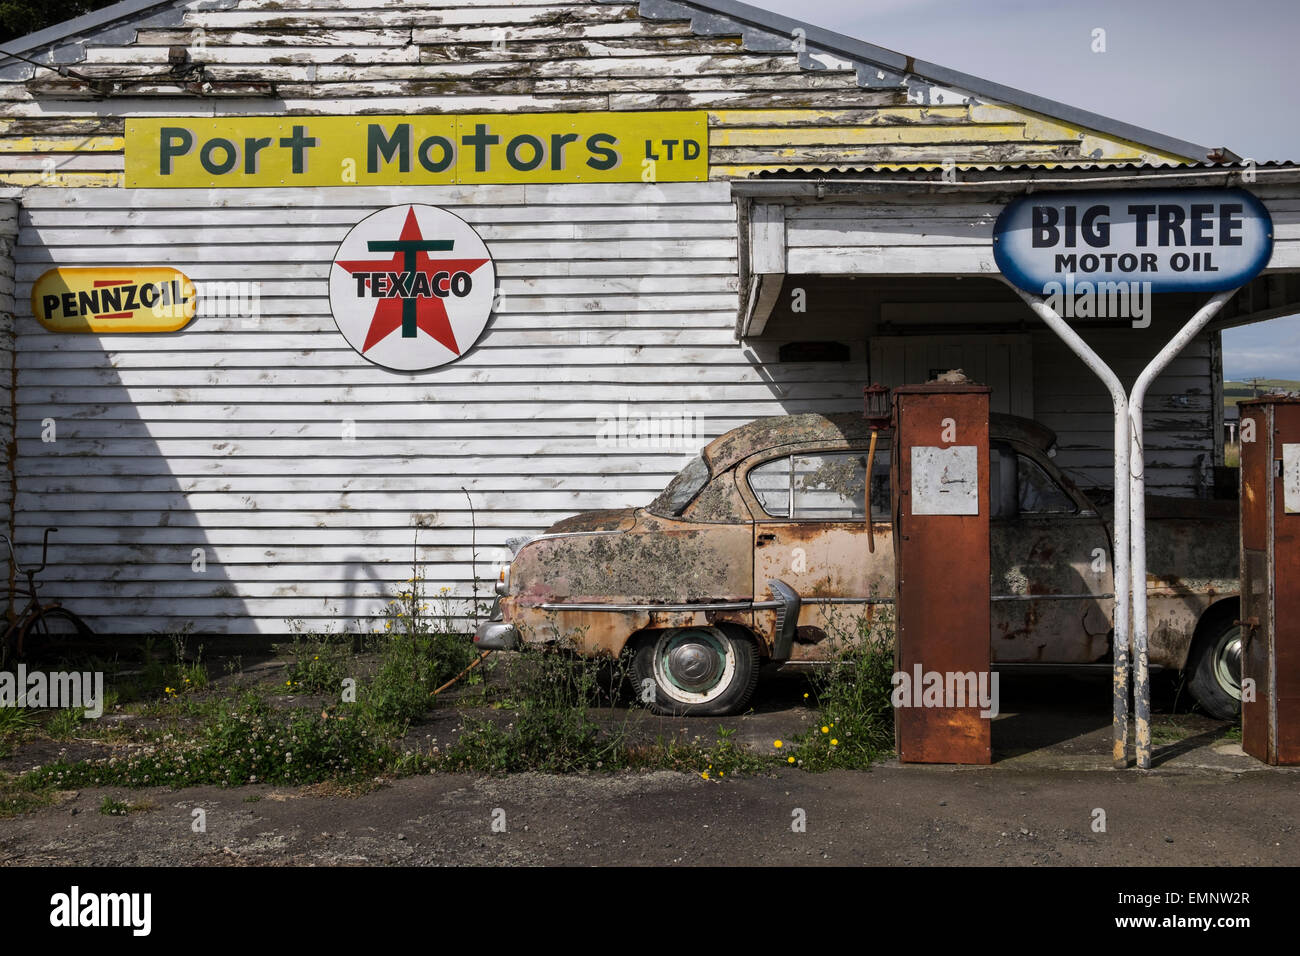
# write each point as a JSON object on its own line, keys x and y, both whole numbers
{"x": 247, "y": 742}
{"x": 19, "y": 795}
{"x": 855, "y": 716}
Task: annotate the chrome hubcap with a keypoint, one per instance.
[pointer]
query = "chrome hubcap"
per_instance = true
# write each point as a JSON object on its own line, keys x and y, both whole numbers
{"x": 694, "y": 663}
{"x": 1227, "y": 663}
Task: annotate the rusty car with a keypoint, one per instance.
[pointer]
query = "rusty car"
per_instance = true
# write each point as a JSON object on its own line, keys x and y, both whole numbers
{"x": 764, "y": 540}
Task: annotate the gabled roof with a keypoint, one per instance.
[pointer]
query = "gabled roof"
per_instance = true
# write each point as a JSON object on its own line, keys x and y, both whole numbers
{"x": 124, "y": 12}
{"x": 763, "y": 30}
{"x": 760, "y": 30}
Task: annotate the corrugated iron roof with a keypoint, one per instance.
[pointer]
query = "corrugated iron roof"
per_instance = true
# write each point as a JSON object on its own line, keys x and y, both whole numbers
{"x": 936, "y": 174}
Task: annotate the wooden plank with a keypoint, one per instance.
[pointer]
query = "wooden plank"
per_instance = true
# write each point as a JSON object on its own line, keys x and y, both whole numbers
{"x": 297, "y": 49}
{"x": 965, "y": 133}
{"x": 381, "y": 196}
{"x": 856, "y": 233}
{"x": 259, "y": 236}
{"x": 180, "y": 255}
{"x": 411, "y": 16}
{"x": 767, "y": 238}
{"x": 796, "y": 119}
{"x": 895, "y": 260}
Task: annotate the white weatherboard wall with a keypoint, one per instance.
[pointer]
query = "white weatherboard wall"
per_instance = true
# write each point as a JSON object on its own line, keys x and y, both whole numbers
{"x": 228, "y": 436}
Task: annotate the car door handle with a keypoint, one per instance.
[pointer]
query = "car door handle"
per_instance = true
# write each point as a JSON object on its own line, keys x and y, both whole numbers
{"x": 766, "y": 538}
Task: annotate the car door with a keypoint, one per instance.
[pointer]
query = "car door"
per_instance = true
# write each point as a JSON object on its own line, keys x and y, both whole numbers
{"x": 1051, "y": 578}
{"x": 809, "y": 532}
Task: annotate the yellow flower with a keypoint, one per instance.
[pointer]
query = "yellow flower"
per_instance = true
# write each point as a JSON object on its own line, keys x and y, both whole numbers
{"x": 705, "y": 775}
{"x": 721, "y": 774}
{"x": 805, "y": 696}
{"x": 789, "y": 759}
{"x": 834, "y": 742}
{"x": 826, "y": 730}
{"x": 777, "y": 743}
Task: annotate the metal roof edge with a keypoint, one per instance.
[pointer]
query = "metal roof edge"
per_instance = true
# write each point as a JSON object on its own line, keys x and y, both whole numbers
{"x": 855, "y": 49}
{"x": 78, "y": 25}
{"x": 806, "y": 184}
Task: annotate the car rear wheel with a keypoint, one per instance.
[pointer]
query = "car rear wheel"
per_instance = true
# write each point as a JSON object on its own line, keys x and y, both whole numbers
{"x": 700, "y": 671}
{"x": 1215, "y": 664}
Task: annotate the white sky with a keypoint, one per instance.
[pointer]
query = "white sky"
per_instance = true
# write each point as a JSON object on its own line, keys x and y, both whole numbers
{"x": 1207, "y": 71}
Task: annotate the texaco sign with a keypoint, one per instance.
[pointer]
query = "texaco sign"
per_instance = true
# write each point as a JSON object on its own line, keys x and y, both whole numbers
{"x": 411, "y": 287}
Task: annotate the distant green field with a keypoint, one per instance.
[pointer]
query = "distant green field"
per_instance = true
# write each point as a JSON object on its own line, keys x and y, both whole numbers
{"x": 1233, "y": 392}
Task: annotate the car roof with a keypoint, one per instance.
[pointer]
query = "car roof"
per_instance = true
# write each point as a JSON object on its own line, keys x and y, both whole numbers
{"x": 848, "y": 427}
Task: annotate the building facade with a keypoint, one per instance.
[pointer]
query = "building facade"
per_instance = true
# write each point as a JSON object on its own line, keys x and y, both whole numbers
{"x": 253, "y": 467}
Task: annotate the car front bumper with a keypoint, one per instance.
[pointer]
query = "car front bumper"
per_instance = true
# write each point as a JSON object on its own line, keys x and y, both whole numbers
{"x": 496, "y": 636}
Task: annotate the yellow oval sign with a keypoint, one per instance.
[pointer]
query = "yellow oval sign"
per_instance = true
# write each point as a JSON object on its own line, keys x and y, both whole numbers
{"x": 130, "y": 299}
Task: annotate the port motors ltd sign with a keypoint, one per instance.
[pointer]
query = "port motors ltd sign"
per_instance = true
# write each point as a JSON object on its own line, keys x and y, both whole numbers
{"x": 416, "y": 150}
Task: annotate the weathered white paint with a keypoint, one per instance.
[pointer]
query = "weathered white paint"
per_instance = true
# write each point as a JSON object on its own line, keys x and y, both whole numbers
{"x": 229, "y": 437}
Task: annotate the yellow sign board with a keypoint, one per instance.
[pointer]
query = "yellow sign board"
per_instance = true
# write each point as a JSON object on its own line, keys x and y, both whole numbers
{"x": 130, "y": 299}
{"x": 417, "y": 150}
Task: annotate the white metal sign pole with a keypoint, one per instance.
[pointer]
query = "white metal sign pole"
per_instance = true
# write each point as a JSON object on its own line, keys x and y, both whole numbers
{"x": 1120, "y": 521}
{"x": 1137, "y": 498}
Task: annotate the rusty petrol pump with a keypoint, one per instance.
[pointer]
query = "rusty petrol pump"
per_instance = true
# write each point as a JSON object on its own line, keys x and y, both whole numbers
{"x": 1269, "y": 650}
{"x": 940, "y": 512}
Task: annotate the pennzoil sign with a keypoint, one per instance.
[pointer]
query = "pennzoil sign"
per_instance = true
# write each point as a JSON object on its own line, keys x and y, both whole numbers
{"x": 129, "y": 299}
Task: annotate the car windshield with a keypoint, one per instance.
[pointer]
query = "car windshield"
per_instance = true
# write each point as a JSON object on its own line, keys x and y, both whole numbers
{"x": 681, "y": 491}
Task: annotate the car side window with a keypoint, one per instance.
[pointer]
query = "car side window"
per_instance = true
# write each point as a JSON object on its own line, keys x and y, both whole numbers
{"x": 1019, "y": 485}
{"x": 832, "y": 487}
{"x": 826, "y": 486}
{"x": 770, "y": 483}
{"x": 1037, "y": 492}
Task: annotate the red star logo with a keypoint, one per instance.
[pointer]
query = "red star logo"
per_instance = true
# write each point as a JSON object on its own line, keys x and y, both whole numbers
{"x": 430, "y": 312}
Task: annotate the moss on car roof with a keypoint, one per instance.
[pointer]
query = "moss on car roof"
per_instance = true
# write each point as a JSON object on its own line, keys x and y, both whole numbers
{"x": 776, "y": 430}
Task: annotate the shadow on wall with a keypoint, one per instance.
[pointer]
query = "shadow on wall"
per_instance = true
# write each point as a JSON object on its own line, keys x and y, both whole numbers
{"x": 131, "y": 555}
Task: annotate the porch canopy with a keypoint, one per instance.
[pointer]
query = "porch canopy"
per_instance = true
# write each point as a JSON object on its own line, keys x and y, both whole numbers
{"x": 923, "y": 225}
{"x": 900, "y": 265}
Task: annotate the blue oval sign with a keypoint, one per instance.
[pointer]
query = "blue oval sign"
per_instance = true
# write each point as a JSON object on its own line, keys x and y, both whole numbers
{"x": 1179, "y": 240}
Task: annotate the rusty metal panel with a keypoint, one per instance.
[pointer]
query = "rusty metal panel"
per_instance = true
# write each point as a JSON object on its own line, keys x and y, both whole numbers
{"x": 942, "y": 568}
{"x": 1254, "y": 488}
{"x": 1256, "y": 584}
{"x": 1256, "y": 661}
{"x": 1271, "y": 580}
{"x": 1286, "y": 590}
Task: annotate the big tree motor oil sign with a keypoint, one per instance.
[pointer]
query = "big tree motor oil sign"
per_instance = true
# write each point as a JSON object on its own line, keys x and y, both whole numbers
{"x": 1171, "y": 240}
{"x": 412, "y": 287}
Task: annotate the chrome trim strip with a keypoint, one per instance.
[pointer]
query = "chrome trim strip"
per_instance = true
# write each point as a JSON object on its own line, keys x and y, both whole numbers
{"x": 849, "y": 600}
{"x": 1049, "y": 597}
{"x": 725, "y": 606}
{"x": 715, "y": 606}
{"x": 570, "y": 534}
